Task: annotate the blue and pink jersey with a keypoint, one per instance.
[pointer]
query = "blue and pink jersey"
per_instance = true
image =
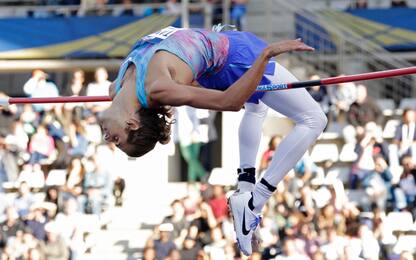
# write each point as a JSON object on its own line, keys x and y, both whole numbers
{"x": 217, "y": 59}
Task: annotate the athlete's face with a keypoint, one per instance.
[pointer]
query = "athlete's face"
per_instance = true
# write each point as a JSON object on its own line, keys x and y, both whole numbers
{"x": 113, "y": 127}
{"x": 116, "y": 128}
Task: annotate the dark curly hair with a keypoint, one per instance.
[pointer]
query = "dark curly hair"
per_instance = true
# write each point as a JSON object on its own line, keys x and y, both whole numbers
{"x": 155, "y": 124}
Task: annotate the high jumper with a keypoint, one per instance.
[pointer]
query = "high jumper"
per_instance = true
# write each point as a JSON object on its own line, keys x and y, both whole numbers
{"x": 222, "y": 71}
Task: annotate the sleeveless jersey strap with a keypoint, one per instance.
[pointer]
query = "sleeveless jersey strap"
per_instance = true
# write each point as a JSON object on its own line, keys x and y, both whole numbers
{"x": 140, "y": 91}
{"x": 121, "y": 72}
{"x": 141, "y": 71}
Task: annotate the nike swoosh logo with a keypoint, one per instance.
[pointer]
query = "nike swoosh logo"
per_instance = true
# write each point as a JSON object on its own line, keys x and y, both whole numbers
{"x": 245, "y": 231}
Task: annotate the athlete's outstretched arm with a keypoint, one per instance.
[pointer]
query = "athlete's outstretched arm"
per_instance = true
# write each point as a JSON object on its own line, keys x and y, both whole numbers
{"x": 167, "y": 92}
{"x": 238, "y": 93}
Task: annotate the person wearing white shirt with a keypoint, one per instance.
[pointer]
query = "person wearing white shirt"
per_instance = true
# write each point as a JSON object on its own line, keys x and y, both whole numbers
{"x": 100, "y": 87}
{"x": 37, "y": 86}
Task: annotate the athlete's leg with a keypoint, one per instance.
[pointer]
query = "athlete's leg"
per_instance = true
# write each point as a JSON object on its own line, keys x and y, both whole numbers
{"x": 310, "y": 121}
{"x": 249, "y": 135}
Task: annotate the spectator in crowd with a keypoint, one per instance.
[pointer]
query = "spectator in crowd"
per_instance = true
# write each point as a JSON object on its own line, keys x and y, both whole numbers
{"x": 333, "y": 245}
{"x": 208, "y": 134}
{"x": 69, "y": 227}
{"x": 173, "y": 7}
{"x": 405, "y": 136}
{"x": 179, "y": 222}
{"x": 341, "y": 97}
{"x": 8, "y": 166}
{"x": 7, "y": 116}
{"x": 76, "y": 87}
{"x": 118, "y": 190}
{"x": 290, "y": 252}
{"x": 164, "y": 244}
{"x": 100, "y": 87}
{"x": 306, "y": 169}
{"x": 18, "y": 247}
{"x": 377, "y": 183}
{"x": 364, "y": 109}
{"x": 398, "y": 3}
{"x": 96, "y": 186}
{"x": 17, "y": 137}
{"x": 202, "y": 224}
{"x": 54, "y": 196}
{"x": 38, "y": 218}
{"x": 218, "y": 203}
{"x": 78, "y": 143}
{"x": 29, "y": 119}
{"x": 359, "y": 4}
{"x": 110, "y": 158}
{"x": 407, "y": 183}
{"x": 238, "y": 12}
{"x": 190, "y": 249}
{"x": 320, "y": 94}
{"x": 305, "y": 203}
{"x": 149, "y": 253}
{"x": 57, "y": 126}
{"x": 41, "y": 145}
{"x": 24, "y": 200}
{"x": 74, "y": 179}
{"x": 12, "y": 225}
{"x": 93, "y": 7}
{"x": 127, "y": 9}
{"x": 37, "y": 86}
{"x": 151, "y": 10}
{"x": 268, "y": 154}
{"x": 370, "y": 144}
{"x": 371, "y": 248}
{"x": 92, "y": 129}
{"x": 189, "y": 138}
{"x": 217, "y": 248}
{"x": 54, "y": 247}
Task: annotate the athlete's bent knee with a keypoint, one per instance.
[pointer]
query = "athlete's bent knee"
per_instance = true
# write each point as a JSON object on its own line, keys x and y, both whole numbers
{"x": 315, "y": 120}
{"x": 322, "y": 120}
{"x": 259, "y": 110}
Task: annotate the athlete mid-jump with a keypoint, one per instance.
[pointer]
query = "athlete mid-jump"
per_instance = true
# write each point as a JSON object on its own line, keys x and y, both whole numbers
{"x": 218, "y": 71}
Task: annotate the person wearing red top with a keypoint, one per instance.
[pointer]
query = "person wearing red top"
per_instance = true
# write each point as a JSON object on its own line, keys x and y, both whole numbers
{"x": 41, "y": 145}
{"x": 268, "y": 154}
{"x": 218, "y": 203}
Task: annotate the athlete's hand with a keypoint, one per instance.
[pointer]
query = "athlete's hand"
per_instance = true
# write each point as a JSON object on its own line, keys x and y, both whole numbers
{"x": 277, "y": 48}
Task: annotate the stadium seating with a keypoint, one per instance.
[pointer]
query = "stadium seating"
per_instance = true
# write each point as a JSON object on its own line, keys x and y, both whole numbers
{"x": 325, "y": 152}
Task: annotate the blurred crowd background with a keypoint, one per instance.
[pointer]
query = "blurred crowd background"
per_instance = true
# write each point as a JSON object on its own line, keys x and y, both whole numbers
{"x": 352, "y": 196}
{"x": 57, "y": 179}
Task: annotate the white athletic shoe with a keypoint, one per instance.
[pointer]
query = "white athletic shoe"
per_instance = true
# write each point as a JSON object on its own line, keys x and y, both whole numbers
{"x": 245, "y": 220}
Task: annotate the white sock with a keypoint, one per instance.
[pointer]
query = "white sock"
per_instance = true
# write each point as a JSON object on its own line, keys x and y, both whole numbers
{"x": 261, "y": 194}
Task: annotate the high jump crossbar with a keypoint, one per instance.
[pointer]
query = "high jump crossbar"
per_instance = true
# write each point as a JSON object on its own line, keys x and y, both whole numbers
{"x": 268, "y": 87}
